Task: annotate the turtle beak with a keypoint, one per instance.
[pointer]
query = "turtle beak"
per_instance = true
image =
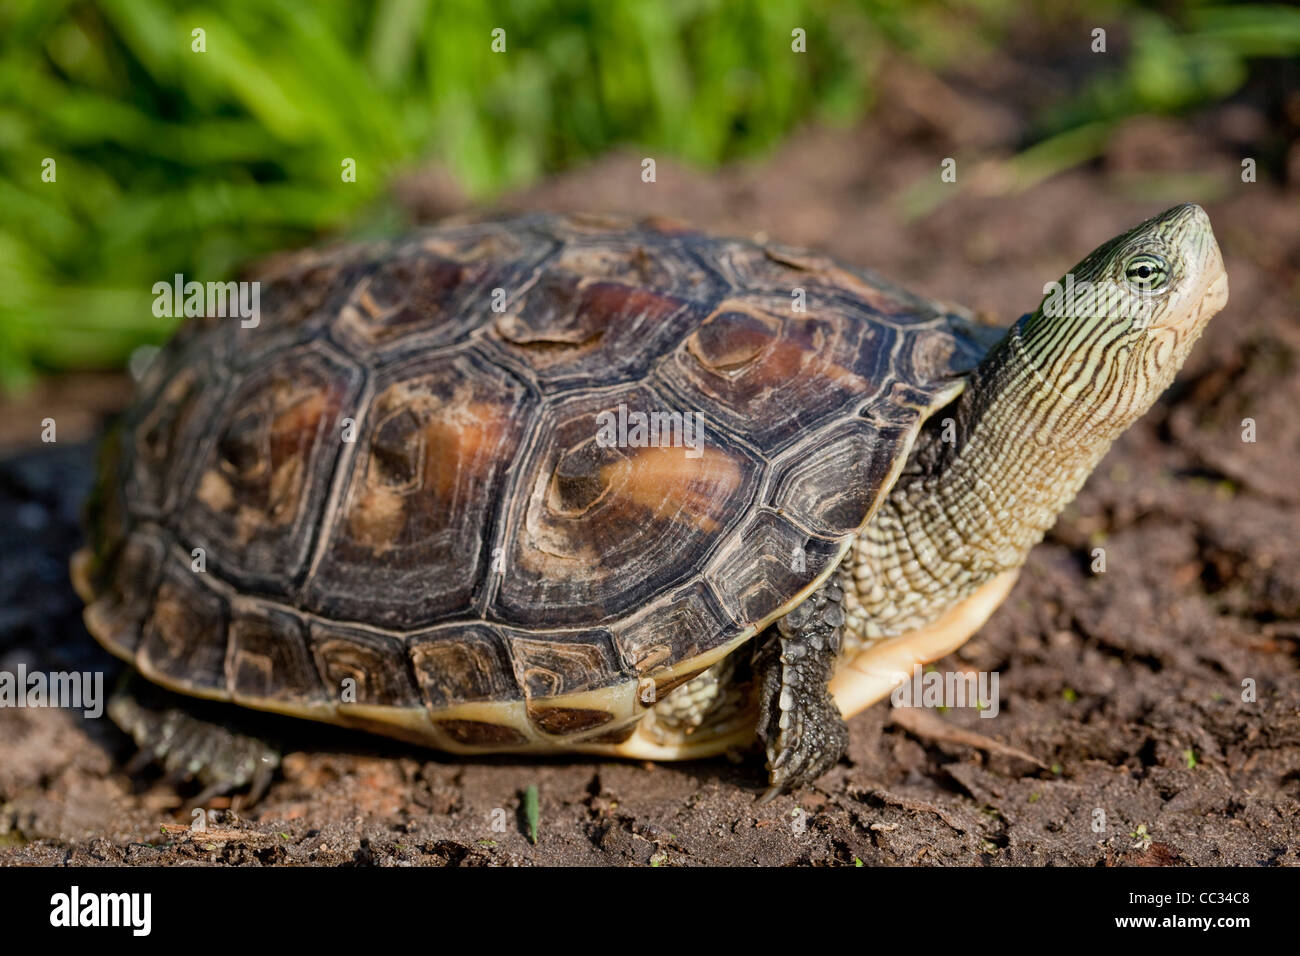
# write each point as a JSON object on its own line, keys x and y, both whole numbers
{"x": 1215, "y": 296}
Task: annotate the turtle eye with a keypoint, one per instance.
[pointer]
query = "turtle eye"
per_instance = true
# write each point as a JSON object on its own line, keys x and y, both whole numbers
{"x": 1146, "y": 272}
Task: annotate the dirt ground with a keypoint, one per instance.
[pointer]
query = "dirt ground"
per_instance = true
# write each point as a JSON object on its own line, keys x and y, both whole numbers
{"x": 1123, "y": 737}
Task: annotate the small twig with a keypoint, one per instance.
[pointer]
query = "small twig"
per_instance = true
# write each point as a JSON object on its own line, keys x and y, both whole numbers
{"x": 922, "y": 723}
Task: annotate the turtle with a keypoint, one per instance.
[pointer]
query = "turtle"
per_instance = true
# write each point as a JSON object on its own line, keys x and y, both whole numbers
{"x": 614, "y": 486}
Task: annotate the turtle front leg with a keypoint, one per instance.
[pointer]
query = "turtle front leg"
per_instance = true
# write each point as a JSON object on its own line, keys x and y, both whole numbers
{"x": 191, "y": 740}
{"x": 798, "y": 721}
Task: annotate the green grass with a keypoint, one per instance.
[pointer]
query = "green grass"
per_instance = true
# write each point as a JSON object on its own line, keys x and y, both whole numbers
{"x": 170, "y": 160}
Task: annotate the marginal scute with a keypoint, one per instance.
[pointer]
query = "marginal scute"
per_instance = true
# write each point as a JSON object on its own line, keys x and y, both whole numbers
{"x": 376, "y": 665}
{"x": 268, "y": 656}
{"x": 185, "y": 638}
{"x": 462, "y": 664}
{"x": 551, "y": 666}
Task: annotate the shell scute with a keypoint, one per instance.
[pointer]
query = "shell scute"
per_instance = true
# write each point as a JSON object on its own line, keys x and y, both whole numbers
{"x": 765, "y": 563}
{"x": 765, "y": 372}
{"x": 435, "y": 291}
{"x": 556, "y": 665}
{"x": 571, "y": 330}
{"x": 261, "y": 487}
{"x": 463, "y": 663}
{"x": 826, "y": 484}
{"x": 268, "y": 658}
{"x": 595, "y": 529}
{"x": 373, "y": 667}
{"x": 682, "y": 625}
{"x": 185, "y": 640}
{"x": 117, "y": 615}
{"x": 163, "y": 437}
{"x": 407, "y": 542}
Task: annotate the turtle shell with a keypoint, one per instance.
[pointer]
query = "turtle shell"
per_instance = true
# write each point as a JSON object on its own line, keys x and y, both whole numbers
{"x": 501, "y": 485}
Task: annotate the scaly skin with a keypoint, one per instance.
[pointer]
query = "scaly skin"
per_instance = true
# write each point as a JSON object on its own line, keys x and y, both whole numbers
{"x": 967, "y": 508}
{"x": 798, "y": 722}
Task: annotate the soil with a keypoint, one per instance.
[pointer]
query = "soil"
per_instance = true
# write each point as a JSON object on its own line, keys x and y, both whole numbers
{"x": 1149, "y": 715}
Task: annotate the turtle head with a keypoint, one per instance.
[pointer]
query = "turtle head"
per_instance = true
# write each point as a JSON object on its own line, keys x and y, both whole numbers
{"x": 1110, "y": 335}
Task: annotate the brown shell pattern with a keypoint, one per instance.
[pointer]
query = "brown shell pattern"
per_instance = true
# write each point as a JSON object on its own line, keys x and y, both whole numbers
{"x": 396, "y": 478}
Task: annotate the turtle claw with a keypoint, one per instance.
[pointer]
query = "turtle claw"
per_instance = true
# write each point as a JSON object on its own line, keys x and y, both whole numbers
{"x": 811, "y": 745}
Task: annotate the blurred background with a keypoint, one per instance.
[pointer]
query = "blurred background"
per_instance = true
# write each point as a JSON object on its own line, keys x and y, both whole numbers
{"x": 170, "y": 160}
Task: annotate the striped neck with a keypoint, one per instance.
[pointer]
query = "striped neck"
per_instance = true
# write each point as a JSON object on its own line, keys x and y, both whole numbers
{"x": 1020, "y": 453}
{"x": 986, "y": 480}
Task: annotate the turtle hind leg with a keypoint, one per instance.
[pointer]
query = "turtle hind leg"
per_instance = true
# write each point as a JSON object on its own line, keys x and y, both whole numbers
{"x": 799, "y": 724}
{"x": 192, "y": 740}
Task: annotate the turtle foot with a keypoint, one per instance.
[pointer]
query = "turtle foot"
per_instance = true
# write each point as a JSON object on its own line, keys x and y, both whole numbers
{"x": 799, "y": 724}
{"x": 190, "y": 741}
